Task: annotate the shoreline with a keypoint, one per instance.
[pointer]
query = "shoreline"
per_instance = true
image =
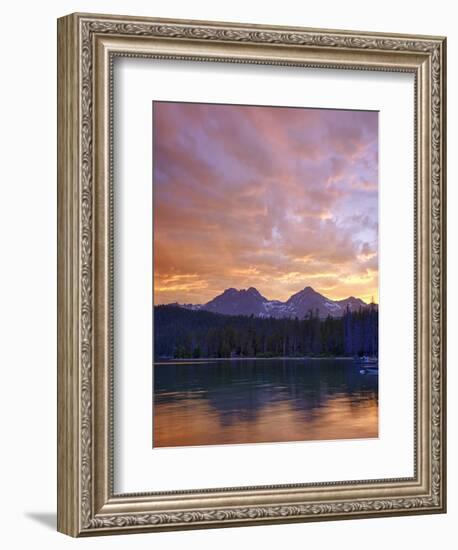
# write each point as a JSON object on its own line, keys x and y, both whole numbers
{"x": 280, "y": 358}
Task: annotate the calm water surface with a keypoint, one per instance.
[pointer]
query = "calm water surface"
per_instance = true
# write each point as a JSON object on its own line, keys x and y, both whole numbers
{"x": 254, "y": 401}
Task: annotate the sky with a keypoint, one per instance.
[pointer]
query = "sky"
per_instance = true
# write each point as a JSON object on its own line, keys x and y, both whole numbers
{"x": 275, "y": 198}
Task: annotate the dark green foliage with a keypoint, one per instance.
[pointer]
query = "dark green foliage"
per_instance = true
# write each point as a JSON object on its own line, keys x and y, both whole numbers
{"x": 181, "y": 333}
{"x": 361, "y": 332}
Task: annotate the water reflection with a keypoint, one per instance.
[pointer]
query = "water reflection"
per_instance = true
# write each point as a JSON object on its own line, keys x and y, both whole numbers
{"x": 253, "y": 401}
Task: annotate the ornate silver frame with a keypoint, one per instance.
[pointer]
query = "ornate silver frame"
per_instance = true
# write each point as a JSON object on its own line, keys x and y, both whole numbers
{"x": 87, "y": 45}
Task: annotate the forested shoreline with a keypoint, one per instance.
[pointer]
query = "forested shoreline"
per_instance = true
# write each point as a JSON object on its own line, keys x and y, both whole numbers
{"x": 183, "y": 334}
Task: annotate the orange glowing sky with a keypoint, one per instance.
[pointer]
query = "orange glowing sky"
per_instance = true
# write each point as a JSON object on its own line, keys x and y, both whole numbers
{"x": 271, "y": 197}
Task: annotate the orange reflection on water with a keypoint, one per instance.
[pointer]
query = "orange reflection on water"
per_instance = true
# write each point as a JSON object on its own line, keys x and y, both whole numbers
{"x": 195, "y": 422}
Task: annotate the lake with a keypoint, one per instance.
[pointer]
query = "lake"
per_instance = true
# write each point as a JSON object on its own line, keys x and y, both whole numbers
{"x": 215, "y": 402}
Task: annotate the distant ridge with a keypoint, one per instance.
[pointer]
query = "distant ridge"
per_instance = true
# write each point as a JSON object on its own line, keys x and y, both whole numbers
{"x": 251, "y": 302}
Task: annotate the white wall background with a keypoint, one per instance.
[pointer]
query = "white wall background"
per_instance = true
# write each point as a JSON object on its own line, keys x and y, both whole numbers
{"x": 28, "y": 272}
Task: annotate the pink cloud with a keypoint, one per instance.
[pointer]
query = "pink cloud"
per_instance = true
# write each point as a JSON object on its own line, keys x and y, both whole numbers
{"x": 245, "y": 194}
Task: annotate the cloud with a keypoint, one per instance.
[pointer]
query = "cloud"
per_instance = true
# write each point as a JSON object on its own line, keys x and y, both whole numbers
{"x": 277, "y": 198}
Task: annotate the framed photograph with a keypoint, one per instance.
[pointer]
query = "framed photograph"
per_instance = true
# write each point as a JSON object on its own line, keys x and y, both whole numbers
{"x": 251, "y": 289}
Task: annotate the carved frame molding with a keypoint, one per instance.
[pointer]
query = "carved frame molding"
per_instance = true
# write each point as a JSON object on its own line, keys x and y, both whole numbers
{"x": 87, "y": 46}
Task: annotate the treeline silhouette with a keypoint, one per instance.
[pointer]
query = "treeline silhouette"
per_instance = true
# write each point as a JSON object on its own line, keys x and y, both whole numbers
{"x": 182, "y": 333}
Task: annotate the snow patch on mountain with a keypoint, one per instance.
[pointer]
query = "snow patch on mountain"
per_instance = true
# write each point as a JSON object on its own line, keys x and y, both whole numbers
{"x": 304, "y": 303}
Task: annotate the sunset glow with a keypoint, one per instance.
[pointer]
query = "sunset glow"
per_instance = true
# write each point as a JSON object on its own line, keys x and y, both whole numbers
{"x": 274, "y": 198}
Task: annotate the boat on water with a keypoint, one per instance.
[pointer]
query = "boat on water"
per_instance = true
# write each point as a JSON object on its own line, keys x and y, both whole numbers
{"x": 368, "y": 365}
{"x": 366, "y": 360}
{"x": 369, "y": 370}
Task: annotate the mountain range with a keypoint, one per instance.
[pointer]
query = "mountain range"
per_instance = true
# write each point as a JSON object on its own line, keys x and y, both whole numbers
{"x": 251, "y": 302}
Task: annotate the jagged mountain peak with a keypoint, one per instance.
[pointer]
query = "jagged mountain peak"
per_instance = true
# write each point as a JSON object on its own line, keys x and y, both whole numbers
{"x": 238, "y": 302}
{"x": 250, "y": 290}
{"x": 302, "y": 304}
{"x": 253, "y": 290}
{"x": 308, "y": 290}
{"x": 230, "y": 291}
